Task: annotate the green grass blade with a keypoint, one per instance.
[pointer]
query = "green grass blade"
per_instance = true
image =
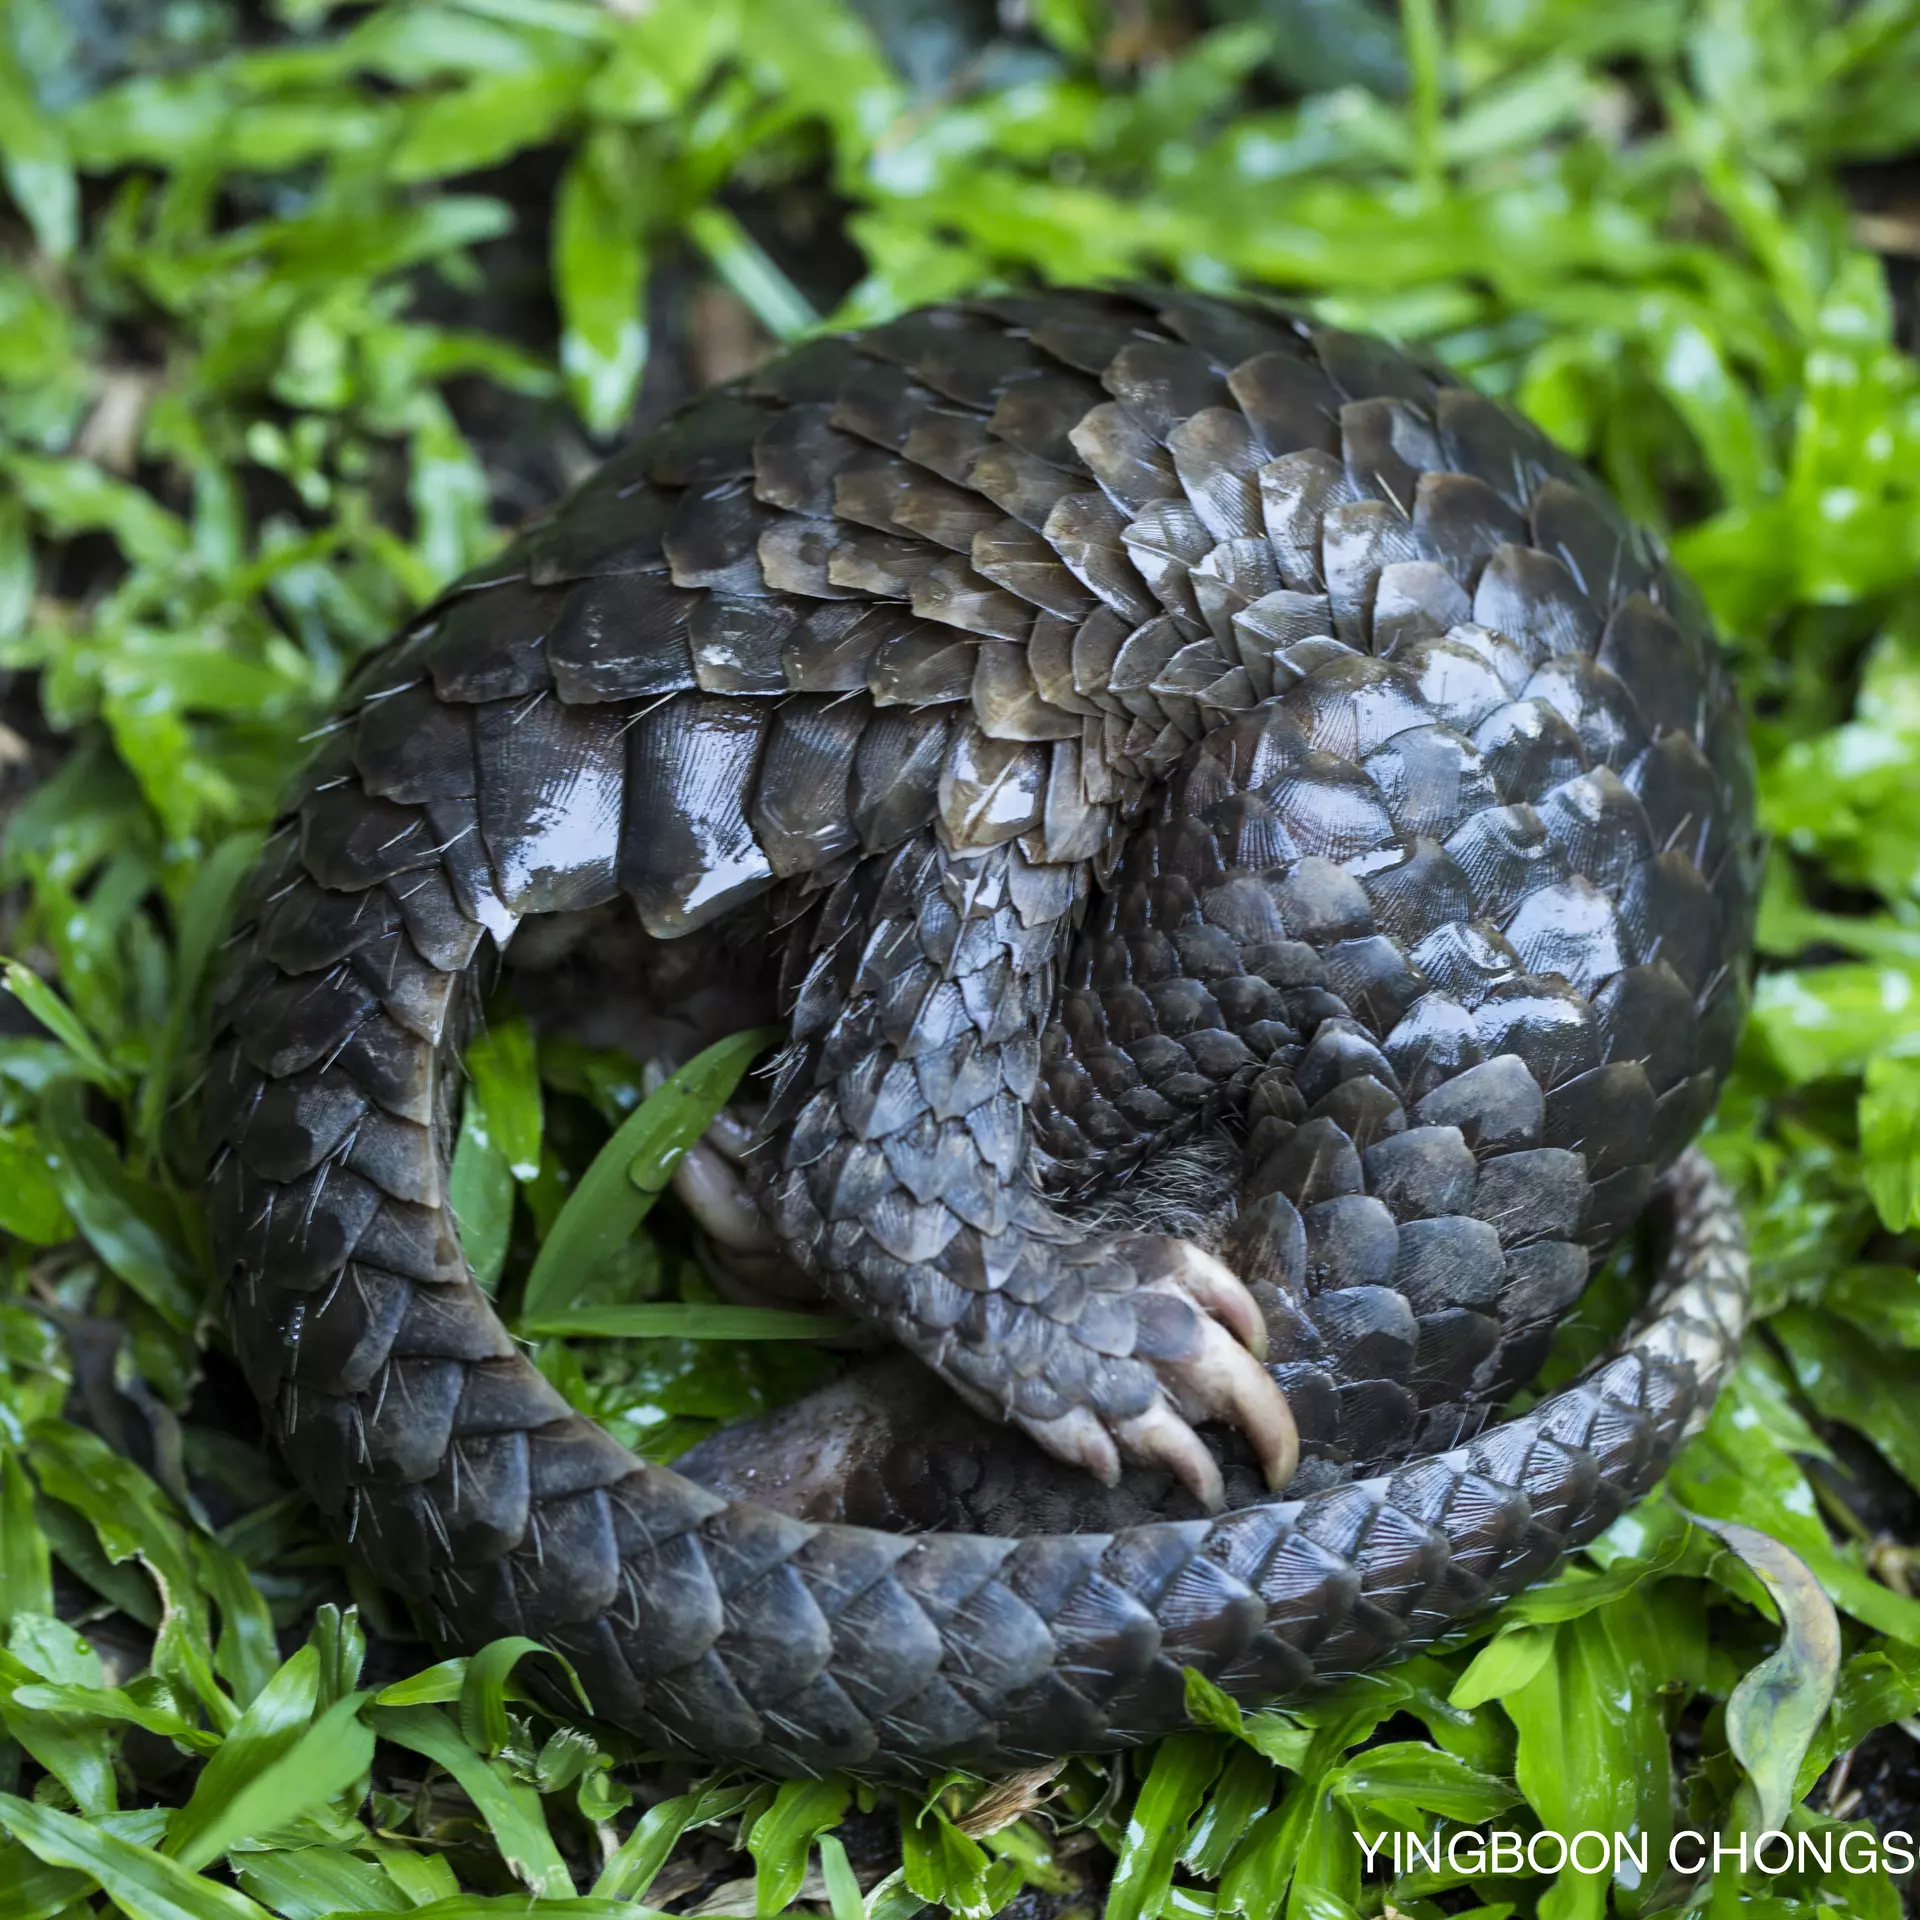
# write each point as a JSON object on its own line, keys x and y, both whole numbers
{"x": 120, "y": 1214}
{"x": 940, "y": 1864}
{"x": 323, "y": 1762}
{"x": 245, "y": 1653}
{"x": 600, "y": 269}
{"x": 34, "y": 1890}
{"x": 783, "y": 1837}
{"x": 480, "y": 1191}
{"x": 60, "y": 1020}
{"x": 483, "y": 1689}
{"x": 316, "y": 1883}
{"x": 432, "y": 1687}
{"x": 637, "y": 1861}
{"x": 512, "y": 1812}
{"x": 685, "y": 1320}
{"x": 639, "y": 1857}
{"x": 506, "y": 1074}
{"x": 611, "y": 1199}
{"x": 31, "y": 1208}
{"x": 73, "y": 1748}
{"x": 511, "y": 1906}
{"x": 1503, "y": 1666}
{"x": 745, "y": 266}
{"x": 843, "y": 1890}
{"x": 1181, "y": 1771}
{"x": 26, "y": 1566}
{"x": 202, "y": 917}
{"x": 271, "y": 1728}
{"x": 143, "y": 1884}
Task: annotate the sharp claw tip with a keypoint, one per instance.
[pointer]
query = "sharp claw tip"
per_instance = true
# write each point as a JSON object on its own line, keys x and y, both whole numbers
{"x": 1284, "y": 1462}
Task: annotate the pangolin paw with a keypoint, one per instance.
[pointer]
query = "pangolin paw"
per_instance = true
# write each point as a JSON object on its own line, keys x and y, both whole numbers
{"x": 1204, "y": 1356}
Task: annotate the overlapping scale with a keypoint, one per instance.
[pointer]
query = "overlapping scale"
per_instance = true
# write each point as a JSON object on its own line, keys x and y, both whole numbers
{"x": 1140, "y": 709}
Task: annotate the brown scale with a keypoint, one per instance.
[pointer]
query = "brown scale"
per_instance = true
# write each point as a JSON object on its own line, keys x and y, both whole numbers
{"x": 1255, "y": 856}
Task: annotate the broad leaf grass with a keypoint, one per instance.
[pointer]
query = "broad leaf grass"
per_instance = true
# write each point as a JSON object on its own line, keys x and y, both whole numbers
{"x": 296, "y": 313}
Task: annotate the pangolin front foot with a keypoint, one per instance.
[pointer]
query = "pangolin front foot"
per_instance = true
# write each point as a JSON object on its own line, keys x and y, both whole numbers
{"x": 1203, "y": 1348}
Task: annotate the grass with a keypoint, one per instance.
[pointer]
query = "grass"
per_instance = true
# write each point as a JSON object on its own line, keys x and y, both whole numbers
{"x": 299, "y": 309}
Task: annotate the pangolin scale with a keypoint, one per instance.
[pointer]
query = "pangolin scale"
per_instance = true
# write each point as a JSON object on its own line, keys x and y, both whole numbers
{"x": 1119, "y": 735}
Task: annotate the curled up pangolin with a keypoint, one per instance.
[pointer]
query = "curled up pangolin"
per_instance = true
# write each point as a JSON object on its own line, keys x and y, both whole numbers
{"x": 1256, "y": 859}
